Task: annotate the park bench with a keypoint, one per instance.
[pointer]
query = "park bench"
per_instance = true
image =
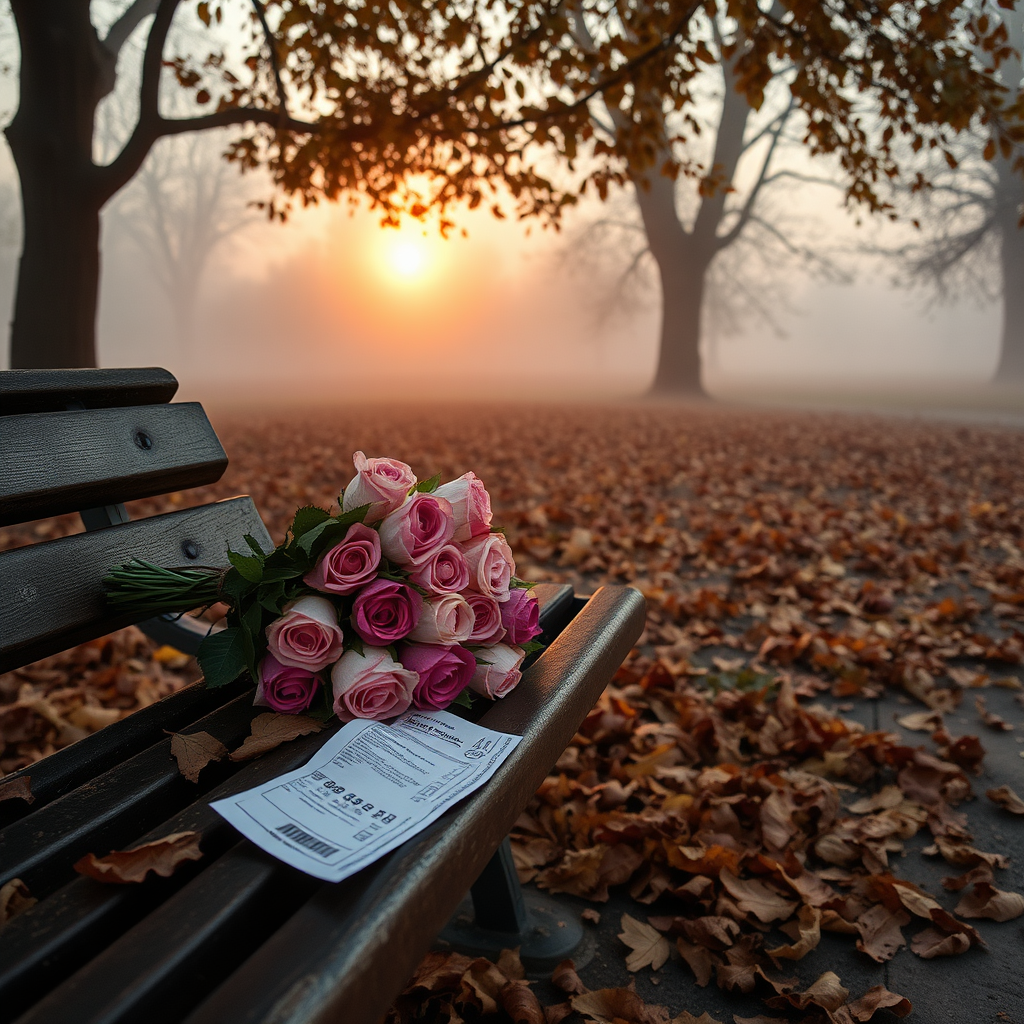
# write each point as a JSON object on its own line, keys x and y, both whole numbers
{"x": 237, "y": 936}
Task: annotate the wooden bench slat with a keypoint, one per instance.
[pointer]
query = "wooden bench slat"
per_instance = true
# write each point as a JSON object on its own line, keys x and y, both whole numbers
{"x": 69, "y": 928}
{"x": 323, "y": 964}
{"x": 51, "y": 594}
{"x": 57, "y": 462}
{"x": 47, "y": 390}
{"x": 114, "y": 808}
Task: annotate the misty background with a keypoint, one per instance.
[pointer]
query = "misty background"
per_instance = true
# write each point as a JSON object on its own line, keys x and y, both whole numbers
{"x": 194, "y": 278}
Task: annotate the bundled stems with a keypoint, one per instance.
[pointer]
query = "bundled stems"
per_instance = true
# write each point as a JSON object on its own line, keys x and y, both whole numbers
{"x": 156, "y": 590}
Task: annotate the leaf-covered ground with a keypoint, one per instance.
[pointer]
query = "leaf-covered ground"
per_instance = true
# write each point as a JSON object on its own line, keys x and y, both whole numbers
{"x": 741, "y": 807}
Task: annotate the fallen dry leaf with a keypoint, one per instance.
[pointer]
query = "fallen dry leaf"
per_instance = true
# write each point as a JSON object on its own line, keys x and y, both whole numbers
{"x": 985, "y": 900}
{"x": 827, "y": 992}
{"x": 194, "y": 751}
{"x": 521, "y": 1004}
{"x": 617, "y": 1005}
{"x": 880, "y": 934}
{"x": 17, "y": 789}
{"x": 591, "y": 915}
{"x": 270, "y": 730}
{"x": 933, "y": 942}
{"x": 879, "y": 998}
{"x": 688, "y": 1018}
{"x": 809, "y": 935}
{"x": 700, "y": 960}
{"x": 565, "y": 977}
{"x": 921, "y": 721}
{"x": 161, "y": 856}
{"x": 758, "y": 898}
{"x": 993, "y": 721}
{"x": 14, "y": 900}
{"x": 1006, "y": 798}
{"x": 649, "y": 946}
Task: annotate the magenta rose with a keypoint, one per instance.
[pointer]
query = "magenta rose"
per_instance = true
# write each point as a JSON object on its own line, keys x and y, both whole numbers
{"x": 348, "y": 565}
{"x": 383, "y": 484}
{"x": 444, "y": 673}
{"x": 385, "y": 612}
{"x": 307, "y": 634}
{"x": 411, "y": 535}
{"x": 446, "y": 572}
{"x": 487, "y": 625}
{"x": 520, "y": 615}
{"x": 284, "y": 688}
{"x": 490, "y": 565}
{"x": 471, "y": 505}
{"x": 501, "y": 675}
{"x": 447, "y": 620}
{"x": 371, "y": 685}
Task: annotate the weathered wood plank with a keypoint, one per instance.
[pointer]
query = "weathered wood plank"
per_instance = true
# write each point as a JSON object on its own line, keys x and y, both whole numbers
{"x": 57, "y": 462}
{"x": 48, "y": 390}
{"x": 51, "y": 594}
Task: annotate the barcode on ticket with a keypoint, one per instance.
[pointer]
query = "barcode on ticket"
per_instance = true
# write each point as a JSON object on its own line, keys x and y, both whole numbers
{"x": 311, "y": 843}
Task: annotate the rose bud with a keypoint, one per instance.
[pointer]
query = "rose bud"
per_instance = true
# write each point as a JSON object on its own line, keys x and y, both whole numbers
{"x": 520, "y": 615}
{"x": 348, "y": 565}
{"x": 444, "y": 673}
{"x": 411, "y": 535}
{"x": 445, "y": 573}
{"x": 385, "y": 612}
{"x": 383, "y": 484}
{"x": 283, "y": 688}
{"x": 471, "y": 505}
{"x": 487, "y": 627}
{"x": 501, "y": 675}
{"x": 307, "y": 634}
{"x": 490, "y": 565}
{"x": 371, "y": 685}
{"x": 444, "y": 620}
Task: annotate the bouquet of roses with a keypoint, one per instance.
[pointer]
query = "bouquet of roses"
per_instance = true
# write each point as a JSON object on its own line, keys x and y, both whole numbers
{"x": 407, "y": 597}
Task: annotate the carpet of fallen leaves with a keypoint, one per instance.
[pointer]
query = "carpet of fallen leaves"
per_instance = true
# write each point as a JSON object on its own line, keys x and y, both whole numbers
{"x": 786, "y": 559}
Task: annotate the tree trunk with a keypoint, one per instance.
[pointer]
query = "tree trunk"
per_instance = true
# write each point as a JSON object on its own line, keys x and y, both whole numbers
{"x": 64, "y": 73}
{"x": 1011, "y": 356}
{"x": 682, "y": 266}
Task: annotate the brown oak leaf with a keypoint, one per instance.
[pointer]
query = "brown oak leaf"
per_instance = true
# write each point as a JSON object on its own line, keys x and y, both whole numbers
{"x": 565, "y": 977}
{"x": 617, "y": 1005}
{"x": 1006, "y": 798}
{"x": 985, "y": 900}
{"x": 271, "y": 730}
{"x": 649, "y": 946}
{"x": 756, "y": 897}
{"x": 17, "y": 789}
{"x": 879, "y": 998}
{"x": 808, "y": 935}
{"x": 700, "y": 960}
{"x": 880, "y": 934}
{"x": 933, "y": 942}
{"x": 194, "y": 751}
{"x": 827, "y": 992}
{"x": 519, "y": 1002}
{"x": 161, "y": 856}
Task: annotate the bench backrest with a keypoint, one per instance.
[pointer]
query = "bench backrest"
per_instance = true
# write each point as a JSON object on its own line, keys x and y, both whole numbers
{"x": 87, "y": 441}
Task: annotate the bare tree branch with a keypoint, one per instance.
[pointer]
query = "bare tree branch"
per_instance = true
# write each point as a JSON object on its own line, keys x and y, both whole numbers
{"x": 129, "y": 21}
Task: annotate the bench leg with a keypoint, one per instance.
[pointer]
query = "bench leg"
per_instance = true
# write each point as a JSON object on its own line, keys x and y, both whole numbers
{"x": 499, "y": 915}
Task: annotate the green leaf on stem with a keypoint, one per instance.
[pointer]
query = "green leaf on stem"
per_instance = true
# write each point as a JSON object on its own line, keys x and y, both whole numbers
{"x": 249, "y": 566}
{"x": 306, "y": 518}
{"x": 223, "y": 656}
{"x": 428, "y": 486}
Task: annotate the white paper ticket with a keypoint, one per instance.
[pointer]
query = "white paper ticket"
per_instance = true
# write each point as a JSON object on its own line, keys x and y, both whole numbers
{"x": 367, "y": 790}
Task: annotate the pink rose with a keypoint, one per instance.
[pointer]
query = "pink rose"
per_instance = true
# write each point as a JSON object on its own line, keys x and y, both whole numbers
{"x": 385, "y": 612}
{"x": 444, "y": 620}
{"x": 444, "y": 573}
{"x": 471, "y": 505}
{"x": 490, "y": 565}
{"x": 501, "y": 675}
{"x": 444, "y": 673}
{"x": 411, "y": 535}
{"x": 283, "y": 688}
{"x": 371, "y": 685}
{"x": 383, "y": 484}
{"x": 487, "y": 627}
{"x": 307, "y": 635}
{"x": 348, "y": 565}
{"x": 520, "y": 615}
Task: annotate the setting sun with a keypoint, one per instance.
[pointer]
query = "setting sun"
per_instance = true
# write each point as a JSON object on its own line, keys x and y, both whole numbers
{"x": 407, "y": 258}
